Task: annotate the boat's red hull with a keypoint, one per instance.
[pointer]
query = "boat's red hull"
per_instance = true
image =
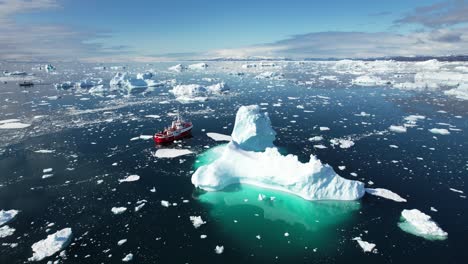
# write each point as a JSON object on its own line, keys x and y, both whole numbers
{"x": 169, "y": 139}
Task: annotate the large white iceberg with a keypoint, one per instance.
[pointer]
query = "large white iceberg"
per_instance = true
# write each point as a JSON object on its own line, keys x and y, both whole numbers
{"x": 51, "y": 245}
{"x": 243, "y": 161}
{"x": 126, "y": 81}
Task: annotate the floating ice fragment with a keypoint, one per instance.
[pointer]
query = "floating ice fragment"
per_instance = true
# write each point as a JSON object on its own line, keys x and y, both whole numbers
{"x": 387, "y": 194}
{"x": 440, "y": 131}
{"x": 51, "y": 245}
{"x": 397, "y": 129}
{"x": 417, "y": 223}
{"x": 118, "y": 210}
{"x": 130, "y": 178}
{"x": 45, "y": 151}
{"x": 6, "y": 231}
{"x": 121, "y": 242}
{"x": 165, "y": 203}
{"x": 366, "y": 246}
{"x": 128, "y": 257}
{"x": 7, "y": 216}
{"x": 197, "y": 221}
{"x": 219, "y": 249}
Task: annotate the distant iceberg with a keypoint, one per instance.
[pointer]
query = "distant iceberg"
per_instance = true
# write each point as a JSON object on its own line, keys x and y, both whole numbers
{"x": 198, "y": 66}
{"x": 126, "y": 81}
{"x": 251, "y": 158}
{"x": 196, "y": 92}
{"x": 178, "y": 68}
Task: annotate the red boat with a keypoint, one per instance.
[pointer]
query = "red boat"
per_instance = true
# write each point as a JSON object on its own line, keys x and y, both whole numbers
{"x": 178, "y": 130}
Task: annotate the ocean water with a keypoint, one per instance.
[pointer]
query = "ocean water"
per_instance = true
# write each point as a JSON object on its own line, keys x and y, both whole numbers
{"x": 93, "y": 141}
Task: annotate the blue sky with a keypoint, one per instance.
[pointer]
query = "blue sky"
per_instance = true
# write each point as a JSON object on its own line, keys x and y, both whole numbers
{"x": 152, "y": 30}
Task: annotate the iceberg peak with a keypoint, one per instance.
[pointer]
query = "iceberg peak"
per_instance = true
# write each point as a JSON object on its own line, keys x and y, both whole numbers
{"x": 252, "y": 129}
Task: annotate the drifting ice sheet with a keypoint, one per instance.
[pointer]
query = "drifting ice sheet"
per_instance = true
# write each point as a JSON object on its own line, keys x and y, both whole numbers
{"x": 267, "y": 168}
{"x": 387, "y": 194}
{"x": 219, "y": 137}
{"x": 51, "y": 245}
{"x": 420, "y": 224}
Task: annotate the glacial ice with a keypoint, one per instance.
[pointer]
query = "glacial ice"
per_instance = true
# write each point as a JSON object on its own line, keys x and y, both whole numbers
{"x": 7, "y": 216}
{"x": 366, "y": 80}
{"x": 51, "y": 245}
{"x": 118, "y": 210}
{"x": 12, "y": 124}
{"x": 178, "y": 68}
{"x": 366, "y": 246}
{"x": 440, "y": 131}
{"x": 397, "y": 129}
{"x": 198, "y": 66}
{"x": 219, "y": 249}
{"x": 130, "y": 178}
{"x": 197, "y": 221}
{"x": 6, "y": 231}
{"x": 420, "y": 224}
{"x": 251, "y": 158}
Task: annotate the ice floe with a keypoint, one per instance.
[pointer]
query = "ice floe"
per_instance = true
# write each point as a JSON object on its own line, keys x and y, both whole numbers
{"x": 440, "y": 131}
{"x": 12, "y": 124}
{"x": 420, "y": 224}
{"x": 198, "y": 66}
{"x": 178, "y": 68}
{"x": 197, "y": 221}
{"x": 245, "y": 162}
{"x": 219, "y": 137}
{"x": 171, "y": 153}
{"x": 7, "y": 216}
{"x": 366, "y": 246}
{"x": 6, "y": 231}
{"x": 118, "y": 210}
{"x": 387, "y": 194}
{"x": 196, "y": 92}
{"x": 219, "y": 249}
{"x": 461, "y": 92}
{"x": 397, "y": 129}
{"x": 130, "y": 178}
{"x": 51, "y": 245}
{"x": 128, "y": 257}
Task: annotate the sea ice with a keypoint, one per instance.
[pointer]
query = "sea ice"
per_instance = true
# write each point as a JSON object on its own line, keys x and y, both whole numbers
{"x": 440, "y": 131}
{"x": 178, "y": 68}
{"x": 130, "y": 178}
{"x": 219, "y": 137}
{"x": 118, "y": 210}
{"x": 420, "y": 224}
{"x": 219, "y": 249}
{"x": 366, "y": 80}
{"x": 251, "y": 158}
{"x": 6, "y": 231}
{"x": 397, "y": 129}
{"x": 196, "y": 92}
{"x": 197, "y": 221}
{"x": 366, "y": 246}
{"x": 128, "y": 257}
{"x": 13, "y": 125}
{"x": 198, "y": 66}
{"x": 51, "y": 245}
{"x": 171, "y": 153}
{"x": 7, "y": 216}
{"x": 387, "y": 194}
{"x": 342, "y": 142}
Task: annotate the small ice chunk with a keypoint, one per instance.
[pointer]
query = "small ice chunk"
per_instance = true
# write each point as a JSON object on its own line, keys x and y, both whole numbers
{"x": 387, "y": 194}
{"x": 366, "y": 246}
{"x": 316, "y": 138}
{"x": 45, "y": 151}
{"x": 47, "y": 170}
{"x": 420, "y": 224}
{"x": 118, "y": 210}
{"x": 128, "y": 257}
{"x": 6, "y": 231}
{"x": 14, "y": 125}
{"x": 121, "y": 242}
{"x": 130, "y": 178}
{"x": 197, "y": 221}
{"x": 219, "y": 249}
{"x": 51, "y": 245}
{"x": 165, "y": 203}
{"x": 341, "y": 167}
{"x": 324, "y": 128}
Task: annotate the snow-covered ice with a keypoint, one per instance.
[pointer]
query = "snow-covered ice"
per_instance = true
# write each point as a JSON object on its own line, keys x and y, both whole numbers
{"x": 171, "y": 153}
{"x": 366, "y": 246}
{"x": 420, "y": 224}
{"x": 219, "y": 249}
{"x": 128, "y": 257}
{"x": 461, "y": 92}
{"x": 6, "y": 231}
{"x": 51, "y": 245}
{"x": 397, "y": 129}
{"x": 198, "y": 66}
{"x": 251, "y": 158}
{"x": 387, "y": 194}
